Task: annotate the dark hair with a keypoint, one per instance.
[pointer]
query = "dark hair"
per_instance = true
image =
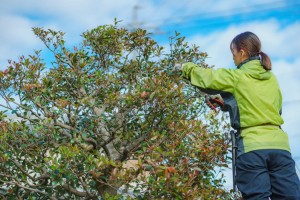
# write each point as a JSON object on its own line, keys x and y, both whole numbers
{"x": 250, "y": 43}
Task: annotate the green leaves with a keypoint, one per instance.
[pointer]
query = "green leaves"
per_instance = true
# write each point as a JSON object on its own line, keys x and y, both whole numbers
{"x": 108, "y": 114}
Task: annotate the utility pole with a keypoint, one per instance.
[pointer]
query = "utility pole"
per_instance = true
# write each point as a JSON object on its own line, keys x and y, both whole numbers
{"x": 135, "y": 22}
{"x": 134, "y": 25}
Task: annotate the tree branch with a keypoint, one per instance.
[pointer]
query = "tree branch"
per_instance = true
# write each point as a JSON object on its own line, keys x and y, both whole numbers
{"x": 74, "y": 191}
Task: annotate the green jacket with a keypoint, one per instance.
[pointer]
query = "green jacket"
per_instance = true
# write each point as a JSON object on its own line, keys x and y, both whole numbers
{"x": 258, "y": 98}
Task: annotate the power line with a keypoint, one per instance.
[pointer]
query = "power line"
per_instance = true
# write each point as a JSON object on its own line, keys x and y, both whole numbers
{"x": 135, "y": 24}
{"x": 291, "y": 101}
{"x": 236, "y": 14}
{"x": 278, "y": 5}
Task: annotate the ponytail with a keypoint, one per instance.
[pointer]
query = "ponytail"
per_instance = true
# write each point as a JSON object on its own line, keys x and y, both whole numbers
{"x": 265, "y": 61}
{"x": 251, "y": 44}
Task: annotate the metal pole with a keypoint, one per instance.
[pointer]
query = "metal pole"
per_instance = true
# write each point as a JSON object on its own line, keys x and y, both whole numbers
{"x": 234, "y": 149}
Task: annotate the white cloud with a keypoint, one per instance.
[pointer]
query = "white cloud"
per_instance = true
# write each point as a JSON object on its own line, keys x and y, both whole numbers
{"x": 16, "y": 38}
{"x": 288, "y": 73}
{"x": 76, "y": 16}
{"x": 71, "y": 16}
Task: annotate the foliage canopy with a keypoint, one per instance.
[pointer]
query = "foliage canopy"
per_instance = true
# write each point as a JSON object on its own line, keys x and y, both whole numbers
{"x": 109, "y": 102}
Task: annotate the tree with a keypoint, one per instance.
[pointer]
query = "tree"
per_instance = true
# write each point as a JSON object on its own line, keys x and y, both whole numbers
{"x": 112, "y": 99}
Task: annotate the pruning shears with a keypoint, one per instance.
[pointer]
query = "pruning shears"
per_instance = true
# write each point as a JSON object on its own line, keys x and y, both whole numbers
{"x": 214, "y": 101}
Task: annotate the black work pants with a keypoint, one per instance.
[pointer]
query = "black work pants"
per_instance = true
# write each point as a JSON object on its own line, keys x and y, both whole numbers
{"x": 267, "y": 173}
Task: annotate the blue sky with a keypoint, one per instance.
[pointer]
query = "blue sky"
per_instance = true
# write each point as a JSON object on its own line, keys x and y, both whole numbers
{"x": 211, "y": 24}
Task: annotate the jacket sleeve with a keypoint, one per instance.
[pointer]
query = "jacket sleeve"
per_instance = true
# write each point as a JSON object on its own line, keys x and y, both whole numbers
{"x": 206, "y": 78}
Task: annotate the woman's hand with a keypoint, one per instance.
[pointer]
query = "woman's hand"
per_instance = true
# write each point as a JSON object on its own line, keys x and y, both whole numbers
{"x": 214, "y": 101}
{"x": 178, "y": 67}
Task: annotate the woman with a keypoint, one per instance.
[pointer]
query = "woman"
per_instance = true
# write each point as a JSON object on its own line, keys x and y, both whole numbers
{"x": 264, "y": 165}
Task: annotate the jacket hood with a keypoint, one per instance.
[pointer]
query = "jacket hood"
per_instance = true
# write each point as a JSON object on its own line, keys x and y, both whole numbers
{"x": 255, "y": 69}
